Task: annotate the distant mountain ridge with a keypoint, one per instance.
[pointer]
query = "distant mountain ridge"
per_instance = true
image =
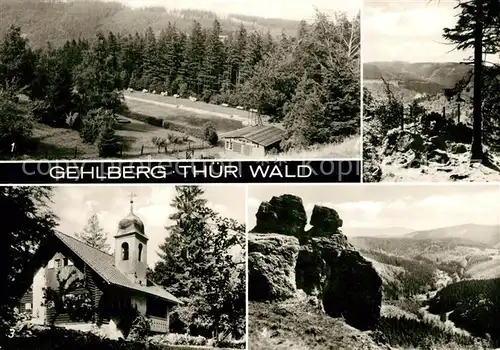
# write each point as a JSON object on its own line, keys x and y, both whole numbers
{"x": 484, "y": 234}
{"x": 57, "y": 21}
{"x": 376, "y": 232}
{"x": 474, "y": 234}
{"x": 430, "y": 77}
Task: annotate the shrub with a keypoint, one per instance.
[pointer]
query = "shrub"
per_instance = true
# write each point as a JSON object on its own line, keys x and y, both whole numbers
{"x": 109, "y": 144}
{"x": 13, "y": 127}
{"x": 94, "y": 123}
{"x": 230, "y": 343}
{"x": 210, "y": 134}
{"x": 62, "y": 339}
{"x": 185, "y": 129}
{"x": 140, "y": 330}
{"x": 179, "y": 339}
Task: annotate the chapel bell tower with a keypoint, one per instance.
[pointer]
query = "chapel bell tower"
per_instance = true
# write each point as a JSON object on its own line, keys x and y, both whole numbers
{"x": 131, "y": 247}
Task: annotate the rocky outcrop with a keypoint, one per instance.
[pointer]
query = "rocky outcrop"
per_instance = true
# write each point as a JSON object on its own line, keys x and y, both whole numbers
{"x": 325, "y": 222}
{"x": 320, "y": 262}
{"x": 271, "y": 266}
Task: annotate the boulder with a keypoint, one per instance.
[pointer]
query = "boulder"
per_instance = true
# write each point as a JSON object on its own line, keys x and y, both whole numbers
{"x": 401, "y": 141}
{"x": 436, "y": 142}
{"x": 458, "y": 148}
{"x": 271, "y": 266}
{"x": 372, "y": 171}
{"x": 325, "y": 222}
{"x": 283, "y": 215}
{"x": 347, "y": 284}
{"x": 438, "y": 156}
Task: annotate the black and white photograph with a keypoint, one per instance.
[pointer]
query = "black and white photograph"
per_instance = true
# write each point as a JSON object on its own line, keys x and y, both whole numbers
{"x": 374, "y": 267}
{"x": 123, "y": 267}
{"x": 431, "y": 90}
{"x": 165, "y": 79}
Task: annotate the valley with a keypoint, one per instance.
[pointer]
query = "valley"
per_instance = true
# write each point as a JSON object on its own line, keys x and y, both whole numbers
{"x": 428, "y": 276}
{"x": 418, "y": 123}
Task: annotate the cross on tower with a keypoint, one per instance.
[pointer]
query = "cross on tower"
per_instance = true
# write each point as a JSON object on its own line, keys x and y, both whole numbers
{"x": 132, "y": 195}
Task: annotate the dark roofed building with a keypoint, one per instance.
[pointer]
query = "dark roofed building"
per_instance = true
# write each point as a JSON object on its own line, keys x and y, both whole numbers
{"x": 254, "y": 141}
{"x": 114, "y": 285}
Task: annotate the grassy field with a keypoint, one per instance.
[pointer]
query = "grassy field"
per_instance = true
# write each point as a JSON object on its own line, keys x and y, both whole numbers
{"x": 60, "y": 143}
{"x": 184, "y": 117}
{"x": 224, "y": 120}
{"x": 350, "y": 148}
{"x": 199, "y": 106}
{"x": 136, "y": 136}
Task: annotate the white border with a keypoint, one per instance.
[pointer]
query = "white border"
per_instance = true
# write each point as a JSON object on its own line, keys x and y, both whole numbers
{"x": 361, "y": 82}
{"x": 247, "y": 328}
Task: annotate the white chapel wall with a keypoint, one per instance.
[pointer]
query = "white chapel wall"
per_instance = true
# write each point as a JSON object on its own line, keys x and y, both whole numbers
{"x": 39, "y": 283}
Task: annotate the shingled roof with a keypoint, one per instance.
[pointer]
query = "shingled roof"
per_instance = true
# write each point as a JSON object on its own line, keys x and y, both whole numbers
{"x": 262, "y": 135}
{"x": 103, "y": 264}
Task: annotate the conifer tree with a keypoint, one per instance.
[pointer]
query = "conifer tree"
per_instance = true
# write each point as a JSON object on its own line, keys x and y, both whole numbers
{"x": 96, "y": 79}
{"x": 214, "y": 62}
{"x": 197, "y": 266}
{"x": 478, "y": 28}
{"x": 30, "y": 223}
{"x": 17, "y": 60}
{"x": 194, "y": 53}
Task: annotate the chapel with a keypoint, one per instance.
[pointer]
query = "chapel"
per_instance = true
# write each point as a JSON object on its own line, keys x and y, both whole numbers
{"x": 106, "y": 288}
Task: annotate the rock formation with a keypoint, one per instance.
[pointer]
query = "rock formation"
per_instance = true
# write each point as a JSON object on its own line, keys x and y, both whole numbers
{"x": 283, "y": 258}
{"x": 284, "y": 215}
{"x": 272, "y": 266}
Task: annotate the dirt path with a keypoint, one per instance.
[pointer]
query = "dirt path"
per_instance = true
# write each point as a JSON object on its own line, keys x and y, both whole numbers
{"x": 244, "y": 120}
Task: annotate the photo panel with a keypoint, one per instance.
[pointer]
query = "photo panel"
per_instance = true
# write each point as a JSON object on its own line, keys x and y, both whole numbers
{"x": 373, "y": 267}
{"x": 175, "y": 80}
{"x": 431, "y": 91}
{"x": 124, "y": 267}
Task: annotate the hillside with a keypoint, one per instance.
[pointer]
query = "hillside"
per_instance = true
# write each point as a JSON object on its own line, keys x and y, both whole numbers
{"x": 465, "y": 257}
{"x": 430, "y": 77}
{"x": 473, "y": 305}
{"x": 483, "y": 234}
{"x": 56, "y": 22}
{"x": 294, "y": 325}
{"x": 445, "y": 279}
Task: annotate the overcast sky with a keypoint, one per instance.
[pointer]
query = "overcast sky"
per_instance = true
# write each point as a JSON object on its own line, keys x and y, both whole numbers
{"x": 409, "y": 30}
{"x": 286, "y": 9}
{"x": 74, "y": 205}
{"x": 417, "y": 207}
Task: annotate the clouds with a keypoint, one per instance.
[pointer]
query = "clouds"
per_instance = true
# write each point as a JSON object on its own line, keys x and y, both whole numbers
{"x": 408, "y": 31}
{"x": 384, "y": 206}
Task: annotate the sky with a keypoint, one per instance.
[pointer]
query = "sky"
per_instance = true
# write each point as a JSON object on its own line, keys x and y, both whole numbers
{"x": 408, "y": 30}
{"x": 418, "y": 207}
{"x": 74, "y": 205}
{"x": 285, "y": 9}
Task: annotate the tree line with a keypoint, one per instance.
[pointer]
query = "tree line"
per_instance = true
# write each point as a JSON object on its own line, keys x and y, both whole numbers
{"x": 202, "y": 261}
{"x": 309, "y": 82}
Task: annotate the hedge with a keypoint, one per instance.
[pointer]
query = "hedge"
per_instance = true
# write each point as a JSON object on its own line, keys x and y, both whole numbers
{"x": 190, "y": 130}
{"x": 168, "y": 124}
{"x": 64, "y": 339}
